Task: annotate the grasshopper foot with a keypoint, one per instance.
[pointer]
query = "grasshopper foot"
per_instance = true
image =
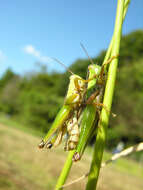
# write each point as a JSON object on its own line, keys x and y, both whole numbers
{"x": 49, "y": 145}
{"x": 41, "y": 144}
{"x": 76, "y": 157}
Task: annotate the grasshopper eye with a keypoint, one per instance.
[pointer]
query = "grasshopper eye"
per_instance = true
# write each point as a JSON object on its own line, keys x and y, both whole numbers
{"x": 79, "y": 82}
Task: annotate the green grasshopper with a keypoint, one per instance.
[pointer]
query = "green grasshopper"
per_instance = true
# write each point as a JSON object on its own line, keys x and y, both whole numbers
{"x": 73, "y": 102}
{"x": 91, "y": 114}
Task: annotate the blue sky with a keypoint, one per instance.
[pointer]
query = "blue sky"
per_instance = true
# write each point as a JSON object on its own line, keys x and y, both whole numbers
{"x": 35, "y": 30}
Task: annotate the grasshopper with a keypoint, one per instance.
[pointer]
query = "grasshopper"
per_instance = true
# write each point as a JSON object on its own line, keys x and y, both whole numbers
{"x": 66, "y": 120}
{"x": 73, "y": 102}
{"x": 91, "y": 114}
{"x": 91, "y": 117}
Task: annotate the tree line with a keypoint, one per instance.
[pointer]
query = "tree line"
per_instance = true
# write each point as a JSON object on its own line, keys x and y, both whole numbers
{"x": 35, "y": 98}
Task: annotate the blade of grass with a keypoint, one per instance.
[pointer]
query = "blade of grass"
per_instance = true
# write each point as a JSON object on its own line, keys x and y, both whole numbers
{"x": 65, "y": 171}
{"x": 102, "y": 130}
{"x": 108, "y": 53}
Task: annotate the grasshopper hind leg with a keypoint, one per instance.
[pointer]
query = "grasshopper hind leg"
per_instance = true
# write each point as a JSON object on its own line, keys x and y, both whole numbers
{"x": 57, "y": 138}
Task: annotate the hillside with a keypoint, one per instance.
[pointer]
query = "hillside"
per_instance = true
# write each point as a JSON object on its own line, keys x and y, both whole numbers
{"x": 23, "y": 166}
{"x": 34, "y": 99}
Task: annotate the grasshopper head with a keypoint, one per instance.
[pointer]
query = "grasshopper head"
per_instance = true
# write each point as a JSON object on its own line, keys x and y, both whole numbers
{"x": 94, "y": 69}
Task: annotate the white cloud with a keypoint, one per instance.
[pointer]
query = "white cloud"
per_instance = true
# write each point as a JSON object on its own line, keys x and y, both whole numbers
{"x": 30, "y": 49}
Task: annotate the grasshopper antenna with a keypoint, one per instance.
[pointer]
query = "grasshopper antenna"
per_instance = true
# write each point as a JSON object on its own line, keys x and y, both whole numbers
{"x": 63, "y": 65}
{"x": 86, "y": 53}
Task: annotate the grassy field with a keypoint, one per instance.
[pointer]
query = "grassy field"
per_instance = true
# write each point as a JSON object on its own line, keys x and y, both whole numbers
{"x": 24, "y": 167}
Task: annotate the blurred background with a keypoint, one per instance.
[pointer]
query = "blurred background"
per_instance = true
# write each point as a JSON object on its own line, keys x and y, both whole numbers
{"x": 33, "y": 86}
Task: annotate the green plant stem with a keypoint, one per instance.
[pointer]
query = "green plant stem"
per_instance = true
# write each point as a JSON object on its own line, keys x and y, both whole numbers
{"x": 108, "y": 53}
{"x": 65, "y": 171}
{"x": 104, "y": 118}
{"x": 68, "y": 163}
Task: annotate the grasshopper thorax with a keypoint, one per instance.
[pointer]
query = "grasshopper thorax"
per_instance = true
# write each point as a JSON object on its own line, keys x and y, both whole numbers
{"x": 78, "y": 82}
